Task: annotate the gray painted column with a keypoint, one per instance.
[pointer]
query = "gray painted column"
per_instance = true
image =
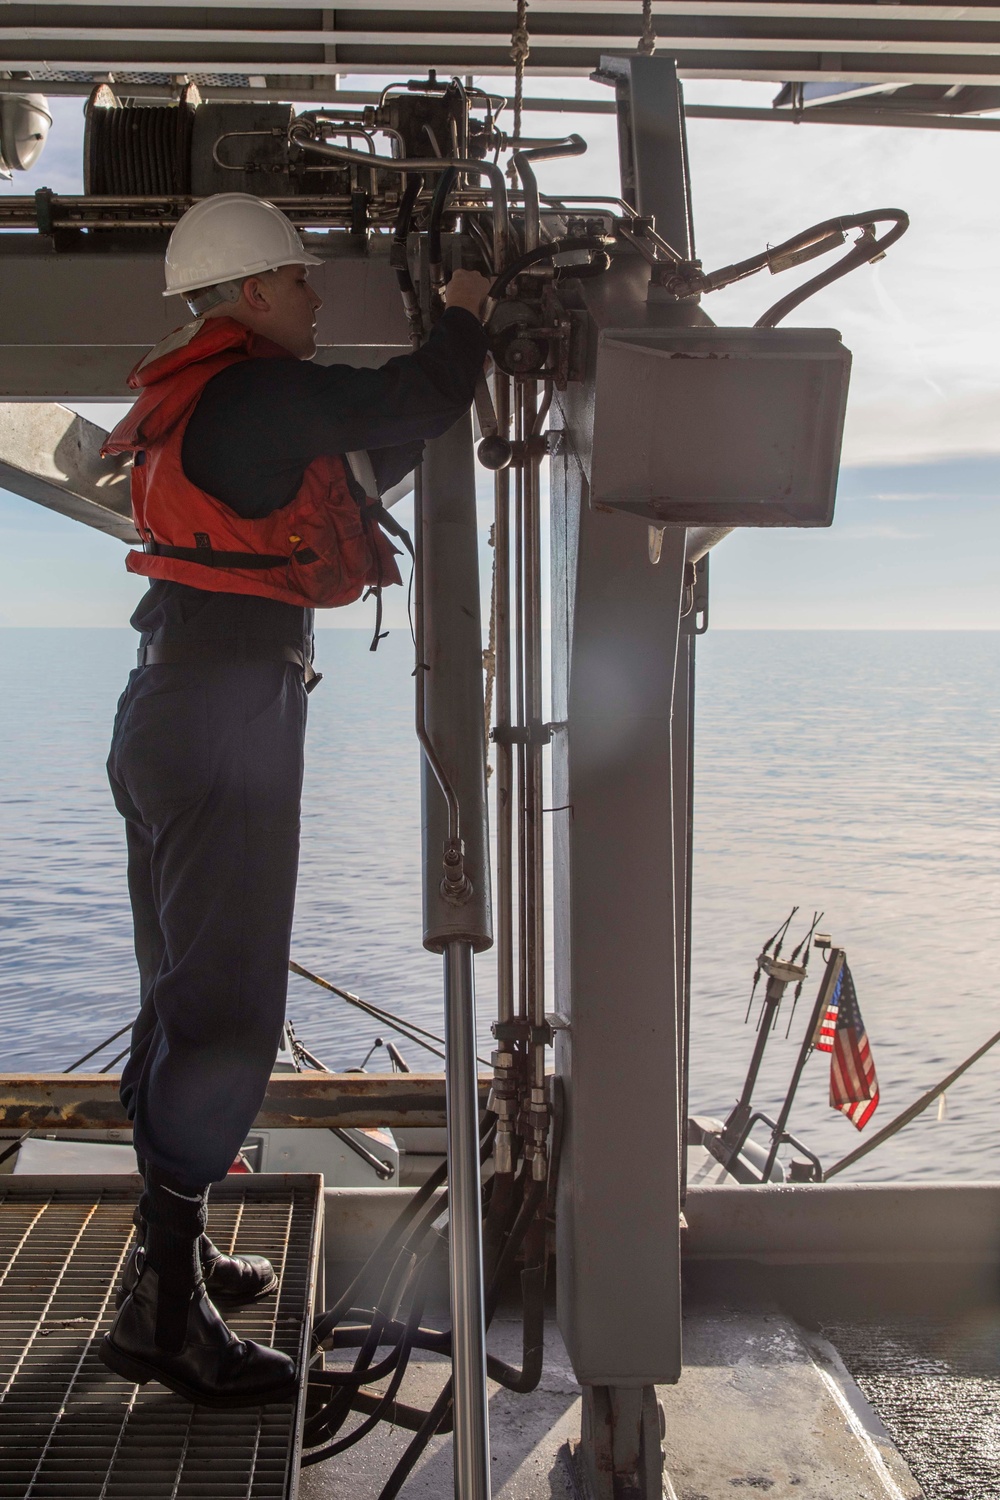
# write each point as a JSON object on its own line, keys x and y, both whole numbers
{"x": 682, "y": 740}
{"x": 615, "y": 626}
{"x": 652, "y": 144}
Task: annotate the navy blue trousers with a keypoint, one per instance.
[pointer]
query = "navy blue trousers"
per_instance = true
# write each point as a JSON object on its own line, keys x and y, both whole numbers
{"x": 206, "y": 769}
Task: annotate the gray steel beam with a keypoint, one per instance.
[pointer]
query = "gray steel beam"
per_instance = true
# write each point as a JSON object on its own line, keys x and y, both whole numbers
{"x": 623, "y": 683}
{"x": 795, "y": 39}
{"x": 585, "y": 16}
{"x": 615, "y": 631}
{"x": 652, "y": 146}
{"x": 52, "y": 456}
{"x": 305, "y": 45}
{"x": 766, "y": 60}
{"x": 73, "y": 324}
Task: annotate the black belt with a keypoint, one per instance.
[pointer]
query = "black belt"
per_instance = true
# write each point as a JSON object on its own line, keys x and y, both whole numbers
{"x": 222, "y": 653}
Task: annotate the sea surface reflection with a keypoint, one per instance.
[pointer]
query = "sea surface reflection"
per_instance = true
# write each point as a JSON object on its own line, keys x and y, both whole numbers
{"x": 856, "y": 772}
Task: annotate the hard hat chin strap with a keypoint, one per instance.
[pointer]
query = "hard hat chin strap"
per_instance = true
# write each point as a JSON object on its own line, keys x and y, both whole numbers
{"x": 203, "y": 300}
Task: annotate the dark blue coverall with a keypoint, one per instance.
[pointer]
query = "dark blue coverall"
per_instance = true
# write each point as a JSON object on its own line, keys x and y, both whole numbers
{"x": 207, "y": 754}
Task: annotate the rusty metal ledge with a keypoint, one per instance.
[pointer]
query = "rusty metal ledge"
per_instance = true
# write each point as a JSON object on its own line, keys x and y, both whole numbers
{"x": 89, "y": 1101}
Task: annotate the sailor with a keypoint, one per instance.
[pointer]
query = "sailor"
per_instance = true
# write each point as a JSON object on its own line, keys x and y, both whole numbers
{"x": 250, "y": 515}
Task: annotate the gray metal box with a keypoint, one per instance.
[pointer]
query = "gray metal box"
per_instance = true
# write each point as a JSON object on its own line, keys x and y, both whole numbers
{"x": 720, "y": 426}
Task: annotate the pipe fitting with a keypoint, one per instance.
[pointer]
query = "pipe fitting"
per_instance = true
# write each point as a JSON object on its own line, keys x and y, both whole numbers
{"x": 456, "y": 886}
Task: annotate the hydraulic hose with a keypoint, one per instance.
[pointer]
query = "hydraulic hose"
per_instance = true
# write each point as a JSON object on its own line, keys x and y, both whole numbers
{"x": 533, "y": 1198}
{"x": 544, "y": 252}
{"x": 867, "y": 249}
{"x": 400, "y": 261}
{"x": 397, "y": 1363}
{"x": 328, "y": 1421}
{"x": 327, "y": 1321}
{"x": 407, "y": 1277}
{"x": 434, "y": 256}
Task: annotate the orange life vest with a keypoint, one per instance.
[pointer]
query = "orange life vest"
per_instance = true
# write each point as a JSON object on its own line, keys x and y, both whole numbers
{"x": 323, "y": 548}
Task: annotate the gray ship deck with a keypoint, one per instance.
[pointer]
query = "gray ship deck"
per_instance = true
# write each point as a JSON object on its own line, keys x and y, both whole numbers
{"x": 840, "y": 1343}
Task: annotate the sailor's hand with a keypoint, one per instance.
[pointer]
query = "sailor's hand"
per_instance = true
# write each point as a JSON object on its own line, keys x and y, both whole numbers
{"x": 467, "y": 289}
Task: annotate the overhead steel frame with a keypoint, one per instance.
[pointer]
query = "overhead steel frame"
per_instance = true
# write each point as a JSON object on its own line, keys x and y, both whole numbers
{"x": 623, "y": 674}
{"x": 819, "y": 40}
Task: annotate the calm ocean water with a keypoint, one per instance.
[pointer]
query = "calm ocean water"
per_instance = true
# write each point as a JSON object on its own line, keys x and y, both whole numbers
{"x": 854, "y": 772}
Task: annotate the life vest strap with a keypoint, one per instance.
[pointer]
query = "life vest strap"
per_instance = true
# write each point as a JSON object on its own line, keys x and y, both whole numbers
{"x": 210, "y": 558}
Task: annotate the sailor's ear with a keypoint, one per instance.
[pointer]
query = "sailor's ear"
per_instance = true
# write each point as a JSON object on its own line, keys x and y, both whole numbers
{"x": 256, "y": 293}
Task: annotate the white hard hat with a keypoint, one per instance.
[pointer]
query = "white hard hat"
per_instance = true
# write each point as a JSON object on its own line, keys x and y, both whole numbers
{"x": 229, "y": 236}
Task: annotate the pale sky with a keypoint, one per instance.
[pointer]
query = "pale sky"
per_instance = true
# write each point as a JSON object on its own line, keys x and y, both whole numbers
{"x": 916, "y": 540}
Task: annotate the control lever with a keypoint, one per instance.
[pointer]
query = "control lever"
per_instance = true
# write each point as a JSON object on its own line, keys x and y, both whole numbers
{"x": 494, "y": 452}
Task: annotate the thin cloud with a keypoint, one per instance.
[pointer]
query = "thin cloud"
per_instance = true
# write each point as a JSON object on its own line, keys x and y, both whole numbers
{"x": 875, "y": 533}
{"x": 922, "y": 495}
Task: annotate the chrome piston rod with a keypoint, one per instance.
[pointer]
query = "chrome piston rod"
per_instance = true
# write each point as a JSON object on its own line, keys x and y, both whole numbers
{"x": 468, "y": 1322}
{"x": 457, "y": 924}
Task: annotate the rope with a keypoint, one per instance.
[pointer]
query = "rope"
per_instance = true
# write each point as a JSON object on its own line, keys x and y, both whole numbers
{"x": 520, "y": 47}
{"x": 490, "y": 654}
{"x": 409, "y": 1029}
{"x": 647, "y": 40}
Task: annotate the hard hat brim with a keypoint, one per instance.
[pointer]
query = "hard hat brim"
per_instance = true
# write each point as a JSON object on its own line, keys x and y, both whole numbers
{"x": 302, "y": 259}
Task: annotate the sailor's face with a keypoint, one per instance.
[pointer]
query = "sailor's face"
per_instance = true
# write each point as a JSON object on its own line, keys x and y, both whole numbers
{"x": 292, "y": 308}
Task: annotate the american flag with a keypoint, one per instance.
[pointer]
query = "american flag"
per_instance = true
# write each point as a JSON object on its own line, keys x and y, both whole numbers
{"x": 827, "y": 1028}
{"x": 853, "y": 1084}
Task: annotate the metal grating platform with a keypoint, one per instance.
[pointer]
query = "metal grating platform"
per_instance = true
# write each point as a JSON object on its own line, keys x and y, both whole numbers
{"x": 69, "y": 1428}
{"x": 935, "y": 1384}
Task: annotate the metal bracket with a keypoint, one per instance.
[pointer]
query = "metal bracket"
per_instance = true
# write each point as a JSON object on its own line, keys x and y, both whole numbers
{"x": 532, "y": 733}
{"x": 620, "y": 1452}
{"x": 694, "y": 619}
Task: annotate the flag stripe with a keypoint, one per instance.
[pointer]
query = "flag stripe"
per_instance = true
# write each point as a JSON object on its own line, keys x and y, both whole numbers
{"x": 853, "y": 1081}
{"x": 828, "y": 1025}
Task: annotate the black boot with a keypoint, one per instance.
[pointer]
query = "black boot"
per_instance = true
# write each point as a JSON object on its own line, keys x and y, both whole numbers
{"x": 235, "y": 1278}
{"x": 229, "y": 1278}
{"x": 167, "y": 1328}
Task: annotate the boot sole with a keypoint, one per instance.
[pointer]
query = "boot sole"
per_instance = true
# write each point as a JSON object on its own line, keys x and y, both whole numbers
{"x": 220, "y": 1296}
{"x": 141, "y": 1373}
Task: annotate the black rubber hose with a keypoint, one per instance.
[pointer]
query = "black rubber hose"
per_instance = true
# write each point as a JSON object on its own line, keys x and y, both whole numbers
{"x": 864, "y": 251}
{"x": 402, "y": 1356}
{"x": 411, "y": 192}
{"x": 545, "y": 252}
{"x": 533, "y": 1198}
{"x": 397, "y": 252}
{"x": 533, "y": 1333}
{"x": 431, "y": 1424}
{"x": 410, "y": 1418}
{"x": 330, "y": 1418}
{"x": 497, "y": 1220}
{"x": 812, "y": 239}
{"x": 444, "y": 185}
{"x": 327, "y": 1321}
{"x": 533, "y": 1323}
{"x": 380, "y": 1329}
